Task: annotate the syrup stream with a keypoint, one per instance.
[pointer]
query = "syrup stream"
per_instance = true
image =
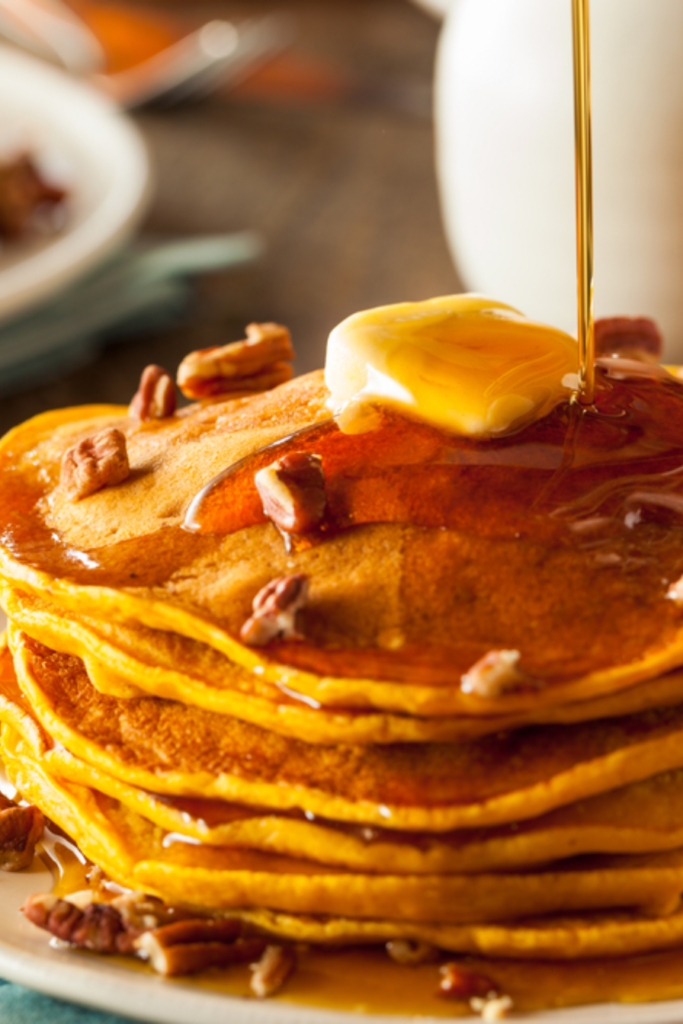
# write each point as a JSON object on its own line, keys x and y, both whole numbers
{"x": 584, "y": 198}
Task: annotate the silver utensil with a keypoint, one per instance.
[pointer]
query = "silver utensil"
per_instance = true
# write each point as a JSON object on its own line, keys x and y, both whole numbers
{"x": 217, "y": 53}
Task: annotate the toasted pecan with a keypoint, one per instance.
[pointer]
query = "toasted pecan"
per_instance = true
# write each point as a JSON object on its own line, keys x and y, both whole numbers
{"x": 98, "y": 926}
{"x": 155, "y": 398}
{"x": 411, "y": 953}
{"x": 276, "y": 607}
{"x": 97, "y": 461}
{"x": 272, "y": 971}
{"x": 23, "y": 190}
{"x": 629, "y": 337}
{"x": 494, "y": 674}
{"x": 459, "y": 983}
{"x": 20, "y": 830}
{"x": 259, "y": 363}
{"x": 492, "y": 1010}
{"x": 292, "y": 490}
{"x": 191, "y": 946}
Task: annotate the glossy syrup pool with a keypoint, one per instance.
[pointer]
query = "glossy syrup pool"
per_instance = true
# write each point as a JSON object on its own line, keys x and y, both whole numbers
{"x": 576, "y": 474}
{"x": 579, "y": 476}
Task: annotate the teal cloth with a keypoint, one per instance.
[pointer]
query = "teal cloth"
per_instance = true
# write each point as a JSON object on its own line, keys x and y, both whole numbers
{"x": 141, "y": 287}
{"x": 20, "y": 1006}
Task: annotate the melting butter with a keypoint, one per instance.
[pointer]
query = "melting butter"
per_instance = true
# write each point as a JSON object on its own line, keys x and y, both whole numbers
{"x": 463, "y": 363}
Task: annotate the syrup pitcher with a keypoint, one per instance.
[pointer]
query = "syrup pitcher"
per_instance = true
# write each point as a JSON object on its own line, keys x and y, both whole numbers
{"x": 505, "y": 138}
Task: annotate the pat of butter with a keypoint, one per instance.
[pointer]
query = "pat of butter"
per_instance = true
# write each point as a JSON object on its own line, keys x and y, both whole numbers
{"x": 463, "y": 363}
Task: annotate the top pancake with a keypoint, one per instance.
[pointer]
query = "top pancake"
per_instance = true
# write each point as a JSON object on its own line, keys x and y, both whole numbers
{"x": 390, "y": 601}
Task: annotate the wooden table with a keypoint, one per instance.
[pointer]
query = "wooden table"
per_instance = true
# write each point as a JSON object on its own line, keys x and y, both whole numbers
{"x": 342, "y": 188}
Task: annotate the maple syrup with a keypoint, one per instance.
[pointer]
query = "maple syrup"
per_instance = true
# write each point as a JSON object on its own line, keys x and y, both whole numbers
{"x": 67, "y": 865}
{"x": 583, "y": 152}
{"x": 578, "y": 477}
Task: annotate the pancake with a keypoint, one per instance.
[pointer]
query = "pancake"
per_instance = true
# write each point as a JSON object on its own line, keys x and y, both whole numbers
{"x": 201, "y": 584}
{"x": 566, "y": 938}
{"x": 169, "y": 748}
{"x": 638, "y": 818}
{"x": 123, "y": 661}
{"x": 348, "y": 776}
{"x": 133, "y": 852}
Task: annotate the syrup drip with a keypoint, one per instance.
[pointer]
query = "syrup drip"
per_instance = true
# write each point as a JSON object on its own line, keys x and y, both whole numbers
{"x": 584, "y": 198}
{"x": 213, "y": 813}
{"x": 66, "y": 863}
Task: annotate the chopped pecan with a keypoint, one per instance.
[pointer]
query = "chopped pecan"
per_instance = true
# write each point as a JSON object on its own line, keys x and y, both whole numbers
{"x": 20, "y": 830}
{"x": 98, "y": 926}
{"x": 155, "y": 397}
{"x": 628, "y": 337}
{"x": 275, "y": 610}
{"x": 675, "y": 593}
{"x": 22, "y": 192}
{"x": 494, "y": 1009}
{"x": 410, "y": 953}
{"x": 191, "y": 946}
{"x": 141, "y": 913}
{"x": 494, "y": 674}
{"x": 458, "y": 983}
{"x": 292, "y": 490}
{"x": 261, "y": 362}
{"x": 83, "y": 898}
{"x": 95, "y": 462}
{"x": 272, "y": 970}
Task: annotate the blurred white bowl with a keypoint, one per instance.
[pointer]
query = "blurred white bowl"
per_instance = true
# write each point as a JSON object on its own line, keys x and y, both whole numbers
{"x": 94, "y": 150}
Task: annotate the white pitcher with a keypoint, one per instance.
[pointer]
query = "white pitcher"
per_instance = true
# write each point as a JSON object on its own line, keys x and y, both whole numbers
{"x": 506, "y": 161}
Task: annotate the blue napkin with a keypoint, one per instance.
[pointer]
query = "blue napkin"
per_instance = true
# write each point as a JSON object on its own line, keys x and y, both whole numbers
{"x": 141, "y": 287}
{"x": 20, "y": 1006}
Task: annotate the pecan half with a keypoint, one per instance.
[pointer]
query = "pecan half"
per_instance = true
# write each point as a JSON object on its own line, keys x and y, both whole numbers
{"x": 458, "y": 983}
{"x": 410, "y": 953}
{"x": 275, "y": 610}
{"x": 628, "y": 337}
{"x": 189, "y": 947}
{"x": 272, "y": 971}
{"x": 97, "y": 461}
{"x": 98, "y": 926}
{"x": 20, "y": 830}
{"x": 494, "y": 674}
{"x": 155, "y": 398}
{"x": 259, "y": 363}
{"x": 293, "y": 492}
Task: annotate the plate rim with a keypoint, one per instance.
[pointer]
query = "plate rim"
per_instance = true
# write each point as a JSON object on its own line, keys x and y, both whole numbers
{"x": 69, "y": 255}
{"x": 27, "y": 958}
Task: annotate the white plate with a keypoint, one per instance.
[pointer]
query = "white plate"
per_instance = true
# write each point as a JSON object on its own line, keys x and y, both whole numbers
{"x": 98, "y": 154}
{"x": 27, "y": 959}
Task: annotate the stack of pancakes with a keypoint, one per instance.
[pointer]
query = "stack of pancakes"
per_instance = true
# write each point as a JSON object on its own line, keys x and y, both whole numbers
{"x": 343, "y": 787}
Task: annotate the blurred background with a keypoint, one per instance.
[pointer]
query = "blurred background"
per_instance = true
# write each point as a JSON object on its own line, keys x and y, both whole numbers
{"x": 319, "y": 144}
